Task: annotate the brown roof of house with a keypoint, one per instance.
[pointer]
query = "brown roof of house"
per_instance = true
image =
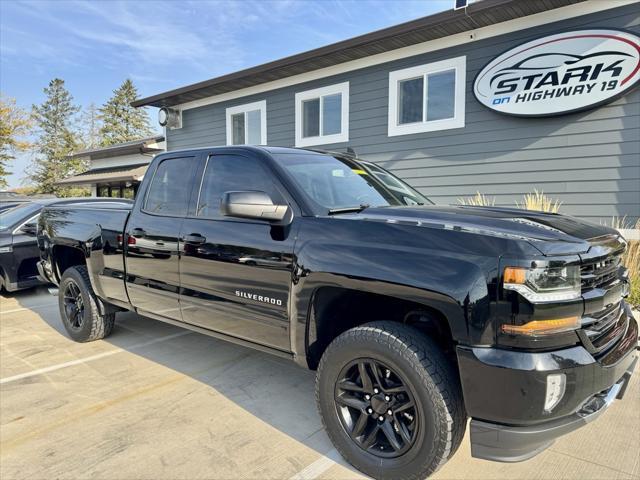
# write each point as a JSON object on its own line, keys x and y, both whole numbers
{"x": 478, "y": 14}
{"x": 142, "y": 145}
{"x": 130, "y": 173}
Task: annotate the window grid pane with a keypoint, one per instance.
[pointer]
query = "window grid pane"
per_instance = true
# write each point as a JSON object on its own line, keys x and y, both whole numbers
{"x": 440, "y": 98}
{"x": 410, "y": 100}
{"x": 311, "y": 118}
{"x": 237, "y": 122}
{"x": 332, "y": 114}
{"x": 253, "y": 128}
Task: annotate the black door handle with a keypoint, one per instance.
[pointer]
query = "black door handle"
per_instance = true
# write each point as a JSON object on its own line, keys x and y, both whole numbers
{"x": 194, "y": 238}
{"x": 138, "y": 233}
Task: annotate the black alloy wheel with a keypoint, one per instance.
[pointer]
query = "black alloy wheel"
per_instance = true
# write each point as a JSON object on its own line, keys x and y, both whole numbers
{"x": 81, "y": 316}
{"x": 73, "y": 305}
{"x": 376, "y": 408}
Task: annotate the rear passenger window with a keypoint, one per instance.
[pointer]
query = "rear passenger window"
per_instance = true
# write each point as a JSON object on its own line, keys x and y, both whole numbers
{"x": 169, "y": 192}
{"x": 232, "y": 173}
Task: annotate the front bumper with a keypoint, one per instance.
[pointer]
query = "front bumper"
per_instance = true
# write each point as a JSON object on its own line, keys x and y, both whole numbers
{"x": 505, "y": 390}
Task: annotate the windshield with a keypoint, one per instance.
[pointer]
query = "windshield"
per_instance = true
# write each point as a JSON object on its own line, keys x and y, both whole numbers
{"x": 336, "y": 183}
{"x": 400, "y": 188}
{"x": 12, "y": 217}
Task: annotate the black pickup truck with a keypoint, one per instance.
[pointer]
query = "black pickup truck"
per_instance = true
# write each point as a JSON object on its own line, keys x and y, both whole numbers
{"x": 414, "y": 315}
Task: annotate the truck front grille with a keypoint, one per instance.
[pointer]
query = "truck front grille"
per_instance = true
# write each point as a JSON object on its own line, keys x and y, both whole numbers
{"x": 600, "y": 273}
{"x": 601, "y": 331}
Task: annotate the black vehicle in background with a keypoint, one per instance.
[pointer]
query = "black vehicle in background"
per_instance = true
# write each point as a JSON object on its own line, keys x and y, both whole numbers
{"x": 11, "y": 199}
{"x": 19, "y": 252}
{"x": 415, "y": 316}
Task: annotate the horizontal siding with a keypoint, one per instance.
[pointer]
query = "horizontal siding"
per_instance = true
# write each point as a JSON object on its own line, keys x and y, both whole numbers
{"x": 590, "y": 161}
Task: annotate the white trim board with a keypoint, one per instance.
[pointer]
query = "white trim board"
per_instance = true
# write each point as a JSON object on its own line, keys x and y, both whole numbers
{"x": 550, "y": 16}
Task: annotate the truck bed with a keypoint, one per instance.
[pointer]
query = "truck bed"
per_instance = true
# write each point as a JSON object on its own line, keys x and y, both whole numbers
{"x": 96, "y": 229}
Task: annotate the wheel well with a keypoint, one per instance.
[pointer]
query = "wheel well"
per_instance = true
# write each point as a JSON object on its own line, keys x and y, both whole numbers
{"x": 66, "y": 257}
{"x": 335, "y": 310}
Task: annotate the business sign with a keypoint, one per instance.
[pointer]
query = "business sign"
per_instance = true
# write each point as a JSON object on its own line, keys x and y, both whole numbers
{"x": 561, "y": 73}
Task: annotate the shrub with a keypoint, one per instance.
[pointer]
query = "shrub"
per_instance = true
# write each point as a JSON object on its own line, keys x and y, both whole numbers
{"x": 539, "y": 201}
{"x": 480, "y": 200}
{"x": 631, "y": 260}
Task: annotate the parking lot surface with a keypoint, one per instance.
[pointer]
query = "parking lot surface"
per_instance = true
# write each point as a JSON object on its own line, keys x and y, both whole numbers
{"x": 154, "y": 401}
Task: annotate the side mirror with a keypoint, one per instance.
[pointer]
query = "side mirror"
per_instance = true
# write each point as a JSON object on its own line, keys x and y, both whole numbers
{"x": 254, "y": 205}
{"x": 29, "y": 229}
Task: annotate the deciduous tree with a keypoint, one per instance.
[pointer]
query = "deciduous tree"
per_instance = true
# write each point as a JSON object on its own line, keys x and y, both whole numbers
{"x": 15, "y": 125}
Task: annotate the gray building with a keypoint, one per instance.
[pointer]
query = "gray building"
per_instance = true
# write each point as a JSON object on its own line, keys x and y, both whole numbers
{"x": 357, "y": 94}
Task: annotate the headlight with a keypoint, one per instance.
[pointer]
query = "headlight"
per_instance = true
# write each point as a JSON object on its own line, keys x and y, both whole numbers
{"x": 546, "y": 284}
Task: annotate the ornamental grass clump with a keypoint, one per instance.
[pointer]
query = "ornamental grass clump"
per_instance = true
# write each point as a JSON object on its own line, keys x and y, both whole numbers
{"x": 540, "y": 202}
{"x": 480, "y": 200}
{"x": 631, "y": 260}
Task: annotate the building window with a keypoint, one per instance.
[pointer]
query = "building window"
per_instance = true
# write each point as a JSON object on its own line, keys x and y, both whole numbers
{"x": 322, "y": 115}
{"x": 247, "y": 124}
{"x": 428, "y": 97}
{"x": 103, "y": 191}
{"x": 118, "y": 190}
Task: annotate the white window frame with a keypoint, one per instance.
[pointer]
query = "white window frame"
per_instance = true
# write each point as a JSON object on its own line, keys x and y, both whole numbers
{"x": 459, "y": 64}
{"x": 343, "y": 136}
{"x": 248, "y": 107}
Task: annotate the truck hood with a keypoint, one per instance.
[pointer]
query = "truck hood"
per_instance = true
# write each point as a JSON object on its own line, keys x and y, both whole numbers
{"x": 550, "y": 233}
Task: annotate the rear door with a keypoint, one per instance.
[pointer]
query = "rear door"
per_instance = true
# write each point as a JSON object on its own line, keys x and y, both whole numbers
{"x": 153, "y": 238}
{"x": 235, "y": 273}
{"x": 25, "y": 252}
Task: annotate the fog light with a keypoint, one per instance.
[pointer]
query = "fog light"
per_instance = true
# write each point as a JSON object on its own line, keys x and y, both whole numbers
{"x": 556, "y": 384}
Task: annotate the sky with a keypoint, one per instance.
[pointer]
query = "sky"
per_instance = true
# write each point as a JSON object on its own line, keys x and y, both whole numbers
{"x": 161, "y": 45}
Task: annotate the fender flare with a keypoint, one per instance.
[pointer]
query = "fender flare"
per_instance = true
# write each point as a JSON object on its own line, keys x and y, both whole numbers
{"x": 304, "y": 293}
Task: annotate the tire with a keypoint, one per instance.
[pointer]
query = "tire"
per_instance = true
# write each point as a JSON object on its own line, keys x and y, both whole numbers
{"x": 405, "y": 360}
{"x": 78, "y": 307}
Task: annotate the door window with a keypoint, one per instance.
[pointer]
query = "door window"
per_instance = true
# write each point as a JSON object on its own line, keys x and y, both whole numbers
{"x": 232, "y": 173}
{"x": 169, "y": 192}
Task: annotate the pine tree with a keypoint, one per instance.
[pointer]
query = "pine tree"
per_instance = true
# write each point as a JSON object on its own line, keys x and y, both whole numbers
{"x": 90, "y": 125}
{"x": 57, "y": 139}
{"x": 15, "y": 124}
{"x": 120, "y": 121}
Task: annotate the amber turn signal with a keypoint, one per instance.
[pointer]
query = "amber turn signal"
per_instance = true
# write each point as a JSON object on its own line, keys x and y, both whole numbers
{"x": 543, "y": 327}
{"x": 515, "y": 275}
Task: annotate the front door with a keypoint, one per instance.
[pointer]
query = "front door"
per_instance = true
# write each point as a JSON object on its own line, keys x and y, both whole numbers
{"x": 152, "y": 236}
{"x": 236, "y": 274}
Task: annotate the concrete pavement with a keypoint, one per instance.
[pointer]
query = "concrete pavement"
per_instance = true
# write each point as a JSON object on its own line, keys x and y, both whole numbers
{"x": 154, "y": 401}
